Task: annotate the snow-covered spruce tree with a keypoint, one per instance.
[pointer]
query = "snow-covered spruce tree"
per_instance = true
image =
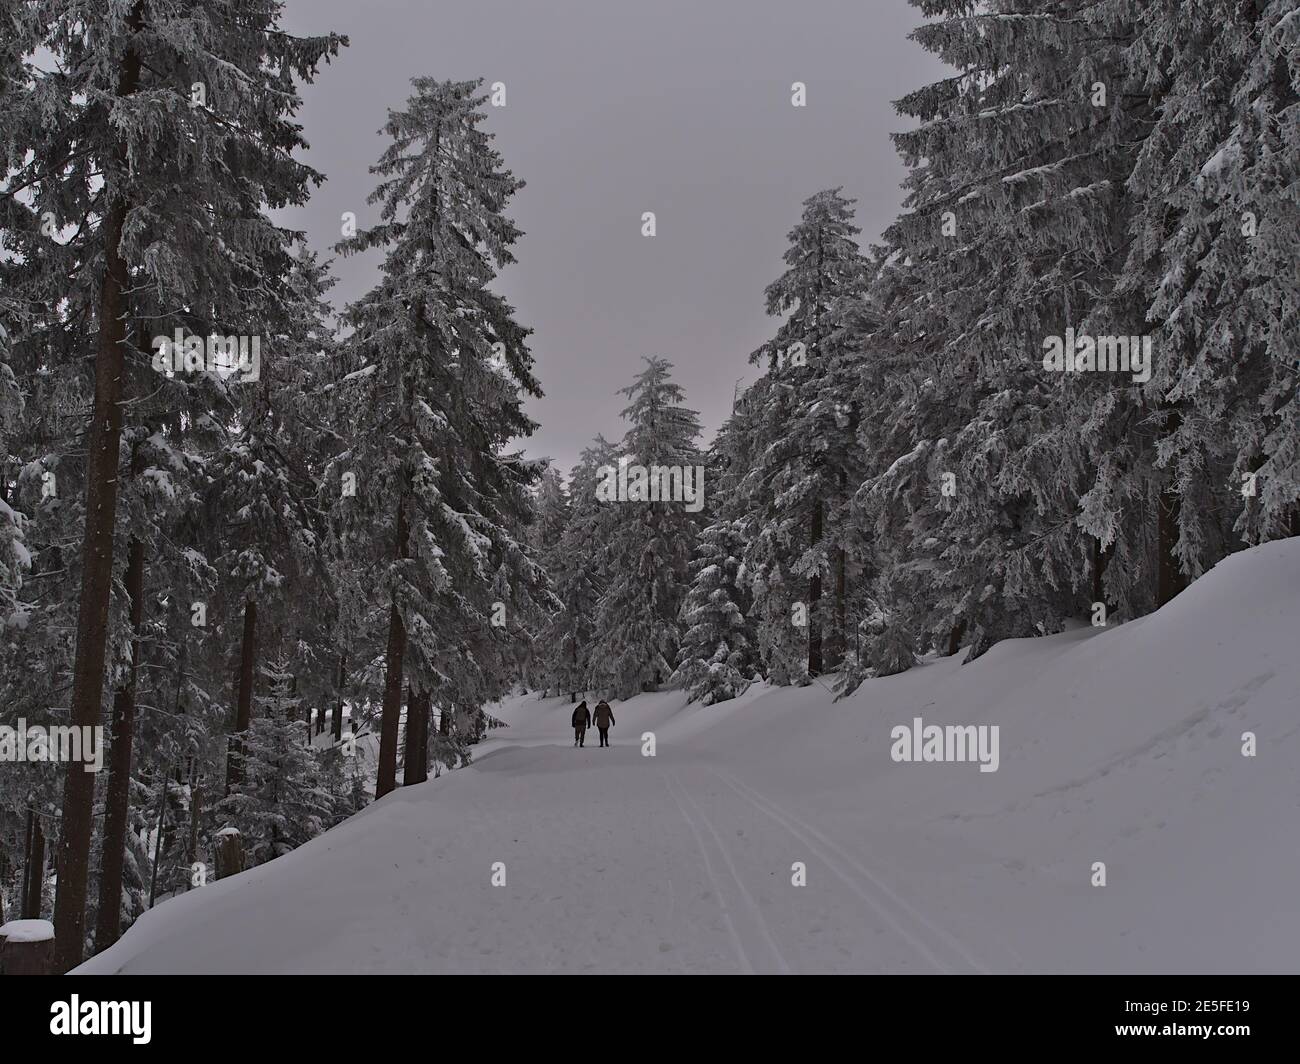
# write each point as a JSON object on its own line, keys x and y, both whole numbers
{"x": 551, "y": 503}
{"x": 638, "y": 631}
{"x": 42, "y": 416}
{"x": 434, "y": 414}
{"x": 577, "y": 567}
{"x": 1213, "y": 259}
{"x": 718, "y": 656}
{"x": 264, "y": 484}
{"x": 158, "y": 179}
{"x": 181, "y": 519}
{"x": 281, "y": 798}
{"x": 1014, "y": 232}
{"x": 806, "y": 464}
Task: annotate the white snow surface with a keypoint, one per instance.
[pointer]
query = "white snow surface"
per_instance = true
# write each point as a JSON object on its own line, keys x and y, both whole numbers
{"x": 1121, "y": 745}
{"x": 27, "y": 931}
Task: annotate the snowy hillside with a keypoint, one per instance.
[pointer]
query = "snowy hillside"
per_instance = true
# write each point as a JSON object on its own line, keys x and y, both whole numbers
{"x": 1121, "y": 746}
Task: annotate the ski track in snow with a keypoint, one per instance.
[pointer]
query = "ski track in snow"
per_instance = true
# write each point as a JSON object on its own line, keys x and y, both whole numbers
{"x": 721, "y": 895}
{"x": 756, "y": 913}
{"x": 811, "y": 836}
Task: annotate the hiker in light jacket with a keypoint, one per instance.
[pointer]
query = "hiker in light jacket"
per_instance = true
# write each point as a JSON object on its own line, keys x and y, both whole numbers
{"x": 604, "y": 718}
{"x": 581, "y": 721}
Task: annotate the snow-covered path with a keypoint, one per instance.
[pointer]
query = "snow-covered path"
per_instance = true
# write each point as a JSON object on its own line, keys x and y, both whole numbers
{"x": 1121, "y": 746}
{"x": 672, "y": 863}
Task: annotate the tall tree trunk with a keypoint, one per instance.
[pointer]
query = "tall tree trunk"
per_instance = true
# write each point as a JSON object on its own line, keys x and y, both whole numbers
{"x": 1100, "y": 559}
{"x": 839, "y": 636}
{"x": 158, "y": 841}
{"x": 34, "y": 873}
{"x": 839, "y": 641}
{"x": 117, "y": 803}
{"x": 1169, "y": 578}
{"x": 104, "y": 440}
{"x": 417, "y": 738}
{"x": 27, "y": 861}
{"x": 336, "y": 724}
{"x": 814, "y": 598}
{"x": 243, "y": 696}
{"x": 196, "y": 815}
{"x": 387, "y": 776}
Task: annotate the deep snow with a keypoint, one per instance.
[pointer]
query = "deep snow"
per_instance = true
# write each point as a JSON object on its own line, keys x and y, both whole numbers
{"x": 1121, "y": 745}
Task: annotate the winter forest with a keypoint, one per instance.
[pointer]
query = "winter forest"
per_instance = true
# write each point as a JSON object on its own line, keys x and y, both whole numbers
{"x": 292, "y": 553}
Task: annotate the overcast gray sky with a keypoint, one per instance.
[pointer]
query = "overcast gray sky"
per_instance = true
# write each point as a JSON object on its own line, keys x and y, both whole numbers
{"x": 616, "y": 107}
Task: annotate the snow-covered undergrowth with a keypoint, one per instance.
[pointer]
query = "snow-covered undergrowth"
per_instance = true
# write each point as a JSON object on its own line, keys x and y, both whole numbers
{"x": 1121, "y": 746}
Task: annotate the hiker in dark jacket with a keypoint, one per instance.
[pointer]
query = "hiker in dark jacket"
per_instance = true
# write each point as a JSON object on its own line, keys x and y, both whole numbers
{"x": 604, "y": 718}
{"x": 581, "y": 721}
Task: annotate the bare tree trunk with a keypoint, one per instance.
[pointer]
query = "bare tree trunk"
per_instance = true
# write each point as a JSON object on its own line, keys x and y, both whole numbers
{"x": 1169, "y": 578}
{"x": 117, "y": 803}
{"x": 417, "y": 738}
{"x": 26, "y": 958}
{"x": 243, "y": 696}
{"x": 196, "y": 814}
{"x": 27, "y": 865}
{"x": 1100, "y": 559}
{"x": 104, "y": 439}
{"x": 336, "y": 724}
{"x": 839, "y": 634}
{"x": 955, "y": 637}
{"x": 229, "y": 854}
{"x": 157, "y": 846}
{"x": 387, "y": 776}
{"x": 814, "y": 597}
{"x": 34, "y": 873}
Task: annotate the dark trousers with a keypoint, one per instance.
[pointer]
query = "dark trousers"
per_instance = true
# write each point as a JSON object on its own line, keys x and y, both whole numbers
{"x": 604, "y": 736}
{"x": 578, "y": 734}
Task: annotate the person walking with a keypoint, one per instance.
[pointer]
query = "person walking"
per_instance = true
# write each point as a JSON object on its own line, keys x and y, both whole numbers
{"x": 604, "y": 718}
{"x": 581, "y": 721}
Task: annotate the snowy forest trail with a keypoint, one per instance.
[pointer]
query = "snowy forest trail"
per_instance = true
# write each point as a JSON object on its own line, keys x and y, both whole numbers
{"x": 667, "y": 863}
{"x": 1121, "y": 747}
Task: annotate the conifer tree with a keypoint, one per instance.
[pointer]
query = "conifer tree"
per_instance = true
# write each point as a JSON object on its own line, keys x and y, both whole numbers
{"x": 650, "y": 542}
{"x": 162, "y": 148}
{"x": 442, "y": 400}
{"x": 282, "y": 797}
{"x": 806, "y": 465}
{"x": 579, "y": 571}
{"x": 718, "y": 657}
